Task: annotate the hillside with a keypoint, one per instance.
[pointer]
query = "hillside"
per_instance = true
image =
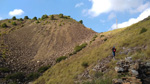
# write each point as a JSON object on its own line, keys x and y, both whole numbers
{"x": 27, "y": 45}
{"x": 94, "y": 64}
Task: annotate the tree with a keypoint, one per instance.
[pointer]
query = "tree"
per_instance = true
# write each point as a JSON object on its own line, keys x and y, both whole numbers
{"x": 35, "y": 18}
{"x": 4, "y": 25}
{"x": 44, "y": 17}
{"x": 14, "y": 23}
{"x": 26, "y": 17}
{"x": 14, "y": 18}
{"x": 81, "y": 21}
{"x": 52, "y": 17}
{"x": 21, "y": 19}
{"x": 61, "y": 15}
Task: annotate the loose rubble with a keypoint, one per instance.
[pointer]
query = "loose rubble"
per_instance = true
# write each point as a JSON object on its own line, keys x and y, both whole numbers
{"x": 138, "y": 72}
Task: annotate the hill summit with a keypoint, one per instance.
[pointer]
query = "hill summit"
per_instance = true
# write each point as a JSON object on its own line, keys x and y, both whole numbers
{"x": 28, "y": 44}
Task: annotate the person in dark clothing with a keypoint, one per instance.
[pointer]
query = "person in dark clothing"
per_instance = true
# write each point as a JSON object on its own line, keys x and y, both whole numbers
{"x": 113, "y": 51}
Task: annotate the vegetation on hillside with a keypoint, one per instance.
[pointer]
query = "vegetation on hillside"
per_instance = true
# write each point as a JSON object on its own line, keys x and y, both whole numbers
{"x": 132, "y": 42}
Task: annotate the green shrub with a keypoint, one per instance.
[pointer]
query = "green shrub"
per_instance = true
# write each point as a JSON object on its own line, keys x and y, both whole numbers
{"x": 4, "y": 25}
{"x": 105, "y": 39}
{"x": 85, "y": 64}
{"x": 4, "y": 70}
{"x": 12, "y": 83}
{"x": 98, "y": 74}
{"x": 26, "y": 17}
{"x": 51, "y": 17}
{"x": 60, "y": 24}
{"x": 94, "y": 38}
{"x": 102, "y": 36}
{"x": 37, "y": 22}
{"x": 143, "y": 30}
{"x": 81, "y": 21}
{"x": 14, "y": 18}
{"x": 44, "y": 17}
{"x": 61, "y": 15}
{"x": 61, "y": 58}
{"x": 80, "y": 47}
{"x": 43, "y": 69}
{"x": 21, "y": 19}
{"x": 9, "y": 21}
{"x": 19, "y": 75}
{"x": 34, "y": 18}
{"x": 14, "y": 23}
{"x": 32, "y": 76}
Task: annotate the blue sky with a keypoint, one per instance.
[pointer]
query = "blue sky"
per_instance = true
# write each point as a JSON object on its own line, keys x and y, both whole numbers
{"x": 100, "y": 15}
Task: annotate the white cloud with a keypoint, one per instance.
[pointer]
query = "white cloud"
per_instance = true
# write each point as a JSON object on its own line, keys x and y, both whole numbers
{"x": 111, "y": 16}
{"x": 105, "y": 6}
{"x": 79, "y": 5}
{"x": 141, "y": 8}
{"x": 16, "y": 12}
{"x": 131, "y": 21}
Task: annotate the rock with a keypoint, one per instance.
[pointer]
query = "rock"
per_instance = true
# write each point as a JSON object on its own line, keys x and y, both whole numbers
{"x": 119, "y": 69}
{"x": 134, "y": 73}
{"x": 117, "y": 81}
{"x": 128, "y": 59}
{"x": 135, "y": 66}
{"x": 148, "y": 64}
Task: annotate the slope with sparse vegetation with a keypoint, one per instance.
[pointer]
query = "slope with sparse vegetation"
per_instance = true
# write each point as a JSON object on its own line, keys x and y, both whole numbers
{"x": 132, "y": 41}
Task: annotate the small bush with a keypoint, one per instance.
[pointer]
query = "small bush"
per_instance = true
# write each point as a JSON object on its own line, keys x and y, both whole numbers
{"x": 9, "y": 21}
{"x": 102, "y": 36}
{"x": 98, "y": 74}
{"x": 44, "y": 17}
{"x": 80, "y": 47}
{"x": 81, "y": 21}
{"x": 21, "y": 19}
{"x": 14, "y": 18}
{"x": 26, "y": 17}
{"x": 4, "y": 70}
{"x": 34, "y": 18}
{"x": 4, "y": 25}
{"x": 52, "y": 17}
{"x": 85, "y": 64}
{"x": 143, "y": 30}
{"x": 61, "y": 58}
{"x": 14, "y": 23}
{"x": 61, "y": 15}
{"x": 105, "y": 39}
{"x": 19, "y": 75}
{"x": 43, "y": 69}
{"x": 60, "y": 24}
{"x": 37, "y": 22}
{"x": 94, "y": 38}
{"x": 32, "y": 76}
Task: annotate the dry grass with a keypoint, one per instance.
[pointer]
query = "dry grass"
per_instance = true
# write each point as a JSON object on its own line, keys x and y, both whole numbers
{"x": 66, "y": 71}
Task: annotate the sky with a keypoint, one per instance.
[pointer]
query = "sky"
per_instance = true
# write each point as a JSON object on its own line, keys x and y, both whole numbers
{"x": 99, "y": 15}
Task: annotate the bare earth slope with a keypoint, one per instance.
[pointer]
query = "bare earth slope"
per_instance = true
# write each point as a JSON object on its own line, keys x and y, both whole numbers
{"x": 38, "y": 44}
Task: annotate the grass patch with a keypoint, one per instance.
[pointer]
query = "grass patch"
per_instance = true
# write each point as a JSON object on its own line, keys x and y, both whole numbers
{"x": 19, "y": 75}
{"x": 43, "y": 69}
{"x": 143, "y": 30}
{"x": 33, "y": 76}
{"x": 85, "y": 64}
{"x": 4, "y": 70}
{"x": 80, "y": 47}
{"x": 61, "y": 58}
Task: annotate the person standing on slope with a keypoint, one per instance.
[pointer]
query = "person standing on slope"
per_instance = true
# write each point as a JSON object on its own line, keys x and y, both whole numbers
{"x": 113, "y": 51}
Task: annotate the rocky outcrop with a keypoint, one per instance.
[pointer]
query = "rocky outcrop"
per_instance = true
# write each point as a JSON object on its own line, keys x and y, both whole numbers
{"x": 138, "y": 72}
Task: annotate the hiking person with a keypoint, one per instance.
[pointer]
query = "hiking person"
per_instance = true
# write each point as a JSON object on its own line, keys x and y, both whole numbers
{"x": 113, "y": 51}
